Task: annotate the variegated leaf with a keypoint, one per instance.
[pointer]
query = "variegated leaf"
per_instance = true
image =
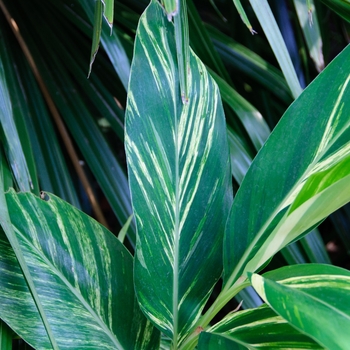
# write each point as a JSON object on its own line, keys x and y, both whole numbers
{"x": 254, "y": 329}
{"x": 82, "y": 274}
{"x": 298, "y": 178}
{"x": 314, "y": 298}
{"x": 179, "y": 175}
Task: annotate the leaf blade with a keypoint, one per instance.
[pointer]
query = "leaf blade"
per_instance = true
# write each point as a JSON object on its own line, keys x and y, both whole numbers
{"x": 316, "y": 296}
{"x": 169, "y": 148}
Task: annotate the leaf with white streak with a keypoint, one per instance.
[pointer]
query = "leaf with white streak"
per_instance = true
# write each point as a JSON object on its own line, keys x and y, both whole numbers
{"x": 300, "y": 176}
{"x": 254, "y": 328}
{"x": 313, "y": 298}
{"x": 179, "y": 175}
{"x": 82, "y": 274}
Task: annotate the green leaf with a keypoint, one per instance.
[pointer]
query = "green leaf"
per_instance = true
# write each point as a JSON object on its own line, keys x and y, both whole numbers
{"x": 182, "y": 49}
{"x": 12, "y": 142}
{"x": 83, "y": 276}
{"x": 179, "y": 177}
{"x": 311, "y": 31}
{"x": 171, "y": 8}
{"x": 313, "y": 298}
{"x": 243, "y": 15}
{"x": 274, "y": 36}
{"x": 251, "y": 327}
{"x": 96, "y": 33}
{"x": 341, "y": 7}
{"x": 249, "y": 116}
{"x": 6, "y": 335}
{"x": 108, "y": 11}
{"x": 310, "y": 142}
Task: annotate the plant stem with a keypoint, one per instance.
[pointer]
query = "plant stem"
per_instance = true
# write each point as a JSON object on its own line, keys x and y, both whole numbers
{"x": 223, "y": 298}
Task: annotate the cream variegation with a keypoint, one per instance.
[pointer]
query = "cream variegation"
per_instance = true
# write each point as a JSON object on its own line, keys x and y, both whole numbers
{"x": 179, "y": 177}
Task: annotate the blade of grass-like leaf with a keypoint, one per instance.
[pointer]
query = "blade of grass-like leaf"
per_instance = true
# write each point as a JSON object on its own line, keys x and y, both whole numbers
{"x": 315, "y": 248}
{"x": 19, "y": 114}
{"x": 273, "y": 34}
{"x": 243, "y": 15}
{"x": 97, "y": 25}
{"x": 249, "y": 116}
{"x": 6, "y": 225}
{"x": 12, "y": 142}
{"x": 108, "y": 11}
{"x": 242, "y": 59}
{"x": 75, "y": 259}
{"x": 240, "y": 158}
{"x": 341, "y": 7}
{"x": 6, "y": 335}
{"x": 180, "y": 182}
{"x": 124, "y": 229}
{"x": 80, "y": 121}
{"x": 312, "y": 298}
{"x": 182, "y": 48}
{"x": 311, "y": 31}
{"x": 202, "y": 45}
{"x": 110, "y": 43}
{"x": 53, "y": 109}
{"x": 260, "y": 326}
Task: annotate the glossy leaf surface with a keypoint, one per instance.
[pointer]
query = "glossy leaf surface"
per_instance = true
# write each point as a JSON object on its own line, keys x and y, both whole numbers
{"x": 313, "y": 298}
{"x": 304, "y": 162}
{"x": 83, "y": 276}
{"x": 254, "y": 328}
{"x": 179, "y": 176}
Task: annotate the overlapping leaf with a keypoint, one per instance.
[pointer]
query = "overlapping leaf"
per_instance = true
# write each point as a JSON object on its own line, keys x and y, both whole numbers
{"x": 313, "y": 298}
{"x": 303, "y": 162}
{"x": 179, "y": 177}
{"x": 83, "y": 276}
{"x": 254, "y": 328}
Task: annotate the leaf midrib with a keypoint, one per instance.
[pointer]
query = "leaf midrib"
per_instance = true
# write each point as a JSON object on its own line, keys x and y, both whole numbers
{"x": 87, "y": 306}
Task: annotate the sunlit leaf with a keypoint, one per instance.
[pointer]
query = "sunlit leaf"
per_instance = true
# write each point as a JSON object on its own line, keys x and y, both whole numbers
{"x": 179, "y": 178}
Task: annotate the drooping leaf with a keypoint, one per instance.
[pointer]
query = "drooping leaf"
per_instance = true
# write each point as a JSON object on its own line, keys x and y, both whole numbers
{"x": 313, "y": 298}
{"x": 179, "y": 176}
{"x": 83, "y": 276}
{"x": 254, "y": 328}
{"x": 299, "y": 162}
